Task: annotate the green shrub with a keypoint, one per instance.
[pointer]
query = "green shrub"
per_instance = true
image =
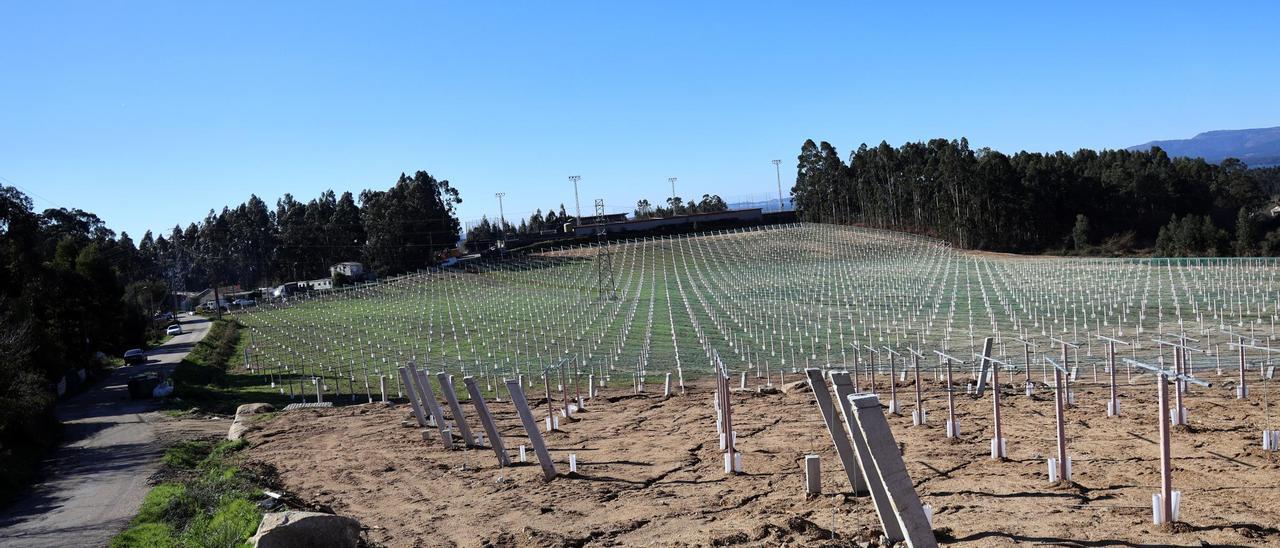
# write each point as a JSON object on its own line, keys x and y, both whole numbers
{"x": 210, "y": 507}
{"x": 223, "y": 449}
{"x": 230, "y": 525}
{"x": 187, "y": 454}
{"x": 146, "y": 535}
{"x": 160, "y": 502}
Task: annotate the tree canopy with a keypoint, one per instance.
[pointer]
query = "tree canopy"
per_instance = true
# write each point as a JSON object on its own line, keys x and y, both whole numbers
{"x": 1030, "y": 202}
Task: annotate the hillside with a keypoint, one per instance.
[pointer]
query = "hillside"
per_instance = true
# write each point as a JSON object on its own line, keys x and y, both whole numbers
{"x": 1256, "y": 147}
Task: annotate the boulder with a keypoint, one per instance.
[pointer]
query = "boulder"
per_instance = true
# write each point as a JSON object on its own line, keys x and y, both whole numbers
{"x": 238, "y": 430}
{"x": 253, "y": 409}
{"x": 294, "y": 529}
{"x": 796, "y": 387}
{"x": 240, "y": 425}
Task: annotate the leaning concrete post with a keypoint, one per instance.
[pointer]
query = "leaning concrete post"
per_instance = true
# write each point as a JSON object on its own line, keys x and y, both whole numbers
{"x": 880, "y": 498}
{"x": 838, "y": 436}
{"x": 495, "y": 437}
{"x": 531, "y": 428}
{"x": 867, "y": 423}
{"x": 436, "y": 415}
{"x": 413, "y": 398}
{"x": 451, "y": 396}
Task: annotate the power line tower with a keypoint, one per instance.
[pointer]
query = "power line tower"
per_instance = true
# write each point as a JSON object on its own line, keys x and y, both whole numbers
{"x": 604, "y": 265}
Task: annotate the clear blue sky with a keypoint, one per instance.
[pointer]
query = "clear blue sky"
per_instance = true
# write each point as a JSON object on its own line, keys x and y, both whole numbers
{"x": 150, "y": 114}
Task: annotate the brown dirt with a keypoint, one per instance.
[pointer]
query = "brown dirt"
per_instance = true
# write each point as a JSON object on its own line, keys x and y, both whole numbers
{"x": 650, "y": 474}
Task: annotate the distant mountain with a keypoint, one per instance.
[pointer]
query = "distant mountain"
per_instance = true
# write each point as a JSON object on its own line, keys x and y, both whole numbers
{"x": 1255, "y": 147}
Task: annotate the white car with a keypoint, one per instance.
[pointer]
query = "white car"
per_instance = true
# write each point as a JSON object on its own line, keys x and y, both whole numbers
{"x": 245, "y": 302}
{"x": 174, "y": 329}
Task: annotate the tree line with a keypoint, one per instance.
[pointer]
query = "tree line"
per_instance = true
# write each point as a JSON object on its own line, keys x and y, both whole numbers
{"x": 391, "y": 231}
{"x": 537, "y": 223}
{"x": 69, "y": 289}
{"x": 1109, "y": 201}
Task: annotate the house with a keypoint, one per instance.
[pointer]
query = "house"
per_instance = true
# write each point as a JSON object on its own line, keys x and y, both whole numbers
{"x": 320, "y": 284}
{"x": 349, "y": 269}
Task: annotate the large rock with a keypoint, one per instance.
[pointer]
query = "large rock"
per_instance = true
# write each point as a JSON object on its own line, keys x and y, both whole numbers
{"x": 253, "y": 409}
{"x": 240, "y": 425}
{"x": 295, "y": 529}
{"x": 796, "y": 387}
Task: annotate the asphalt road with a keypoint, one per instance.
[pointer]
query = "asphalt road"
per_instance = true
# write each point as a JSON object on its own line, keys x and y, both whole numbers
{"x": 95, "y": 481}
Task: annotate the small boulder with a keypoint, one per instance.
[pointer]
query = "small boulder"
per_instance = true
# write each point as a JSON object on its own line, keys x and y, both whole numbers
{"x": 240, "y": 425}
{"x": 294, "y": 529}
{"x": 253, "y": 409}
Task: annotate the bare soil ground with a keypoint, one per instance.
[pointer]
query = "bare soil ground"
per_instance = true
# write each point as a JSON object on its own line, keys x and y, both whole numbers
{"x": 650, "y": 473}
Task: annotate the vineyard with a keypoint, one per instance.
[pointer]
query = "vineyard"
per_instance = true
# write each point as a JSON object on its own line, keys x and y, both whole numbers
{"x": 1010, "y": 382}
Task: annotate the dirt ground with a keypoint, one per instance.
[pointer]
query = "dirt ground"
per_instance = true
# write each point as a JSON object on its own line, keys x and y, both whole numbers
{"x": 650, "y": 473}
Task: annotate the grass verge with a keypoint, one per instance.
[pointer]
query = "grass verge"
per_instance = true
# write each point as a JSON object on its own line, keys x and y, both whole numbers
{"x": 207, "y": 379}
{"x": 206, "y": 503}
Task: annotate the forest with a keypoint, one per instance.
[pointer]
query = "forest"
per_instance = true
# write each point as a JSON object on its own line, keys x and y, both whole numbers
{"x": 392, "y": 231}
{"x": 1111, "y": 202}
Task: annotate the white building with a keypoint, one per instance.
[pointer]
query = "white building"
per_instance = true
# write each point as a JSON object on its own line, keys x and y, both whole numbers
{"x": 349, "y": 269}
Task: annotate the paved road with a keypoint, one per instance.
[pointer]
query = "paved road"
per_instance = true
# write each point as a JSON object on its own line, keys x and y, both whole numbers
{"x": 94, "y": 483}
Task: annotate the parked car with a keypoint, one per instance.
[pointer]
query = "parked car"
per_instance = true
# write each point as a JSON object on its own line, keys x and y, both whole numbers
{"x": 163, "y": 317}
{"x": 174, "y": 329}
{"x": 245, "y": 302}
{"x": 135, "y": 356}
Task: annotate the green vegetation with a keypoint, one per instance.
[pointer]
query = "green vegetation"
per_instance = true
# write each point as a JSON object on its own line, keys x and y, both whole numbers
{"x": 1033, "y": 202}
{"x": 206, "y": 379}
{"x": 69, "y": 288}
{"x": 209, "y": 504}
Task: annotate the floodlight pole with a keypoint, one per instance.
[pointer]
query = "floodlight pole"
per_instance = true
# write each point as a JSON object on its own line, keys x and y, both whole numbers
{"x": 502, "y": 217}
{"x": 778, "y": 171}
{"x": 672, "y": 180}
{"x": 577, "y": 206}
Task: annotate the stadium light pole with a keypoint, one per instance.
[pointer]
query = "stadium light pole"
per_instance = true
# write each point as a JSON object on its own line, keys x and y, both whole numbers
{"x": 577, "y": 206}
{"x": 778, "y": 171}
{"x": 672, "y": 180}
{"x": 502, "y": 218}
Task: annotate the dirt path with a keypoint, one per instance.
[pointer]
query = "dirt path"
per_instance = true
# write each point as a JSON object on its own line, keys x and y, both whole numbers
{"x": 94, "y": 483}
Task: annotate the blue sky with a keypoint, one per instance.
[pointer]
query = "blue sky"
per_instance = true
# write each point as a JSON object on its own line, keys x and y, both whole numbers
{"x": 150, "y": 114}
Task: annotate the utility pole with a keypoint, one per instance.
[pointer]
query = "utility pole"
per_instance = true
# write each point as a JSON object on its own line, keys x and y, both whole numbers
{"x": 778, "y": 171}
{"x": 577, "y": 206}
